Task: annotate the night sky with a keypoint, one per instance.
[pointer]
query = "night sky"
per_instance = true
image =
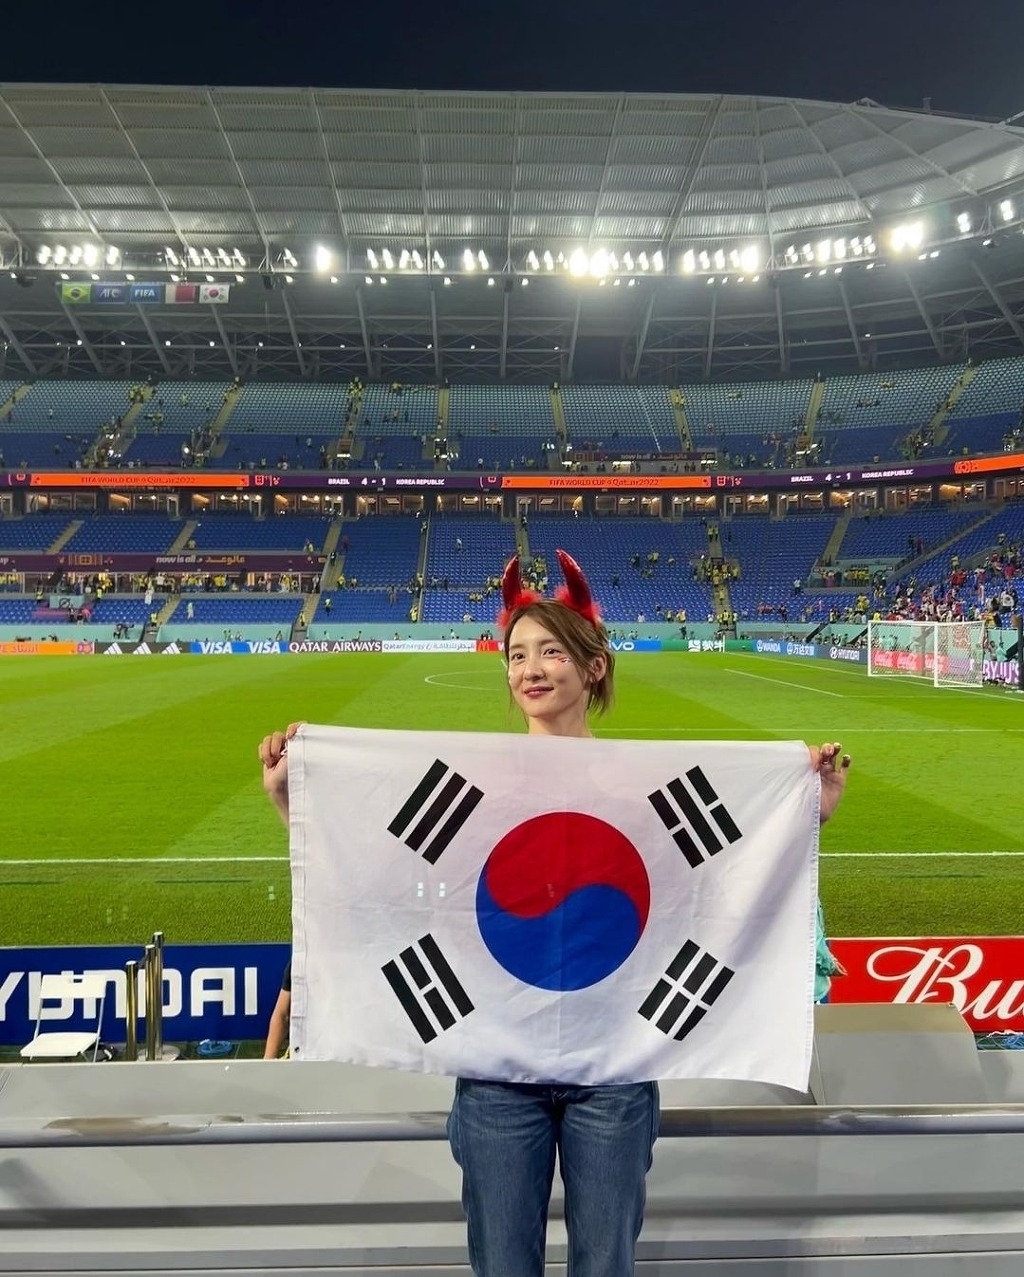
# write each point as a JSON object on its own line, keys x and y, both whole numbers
{"x": 966, "y": 57}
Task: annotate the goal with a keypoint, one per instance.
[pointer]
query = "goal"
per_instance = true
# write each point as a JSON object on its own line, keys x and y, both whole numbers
{"x": 946, "y": 653}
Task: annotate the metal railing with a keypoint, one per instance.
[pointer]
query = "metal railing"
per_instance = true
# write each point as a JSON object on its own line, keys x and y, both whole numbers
{"x": 121, "y": 1130}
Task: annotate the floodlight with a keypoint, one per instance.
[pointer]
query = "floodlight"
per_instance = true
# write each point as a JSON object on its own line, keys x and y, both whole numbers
{"x": 417, "y": 260}
{"x": 578, "y": 262}
{"x": 823, "y": 250}
{"x": 532, "y": 261}
{"x": 209, "y": 279}
{"x": 447, "y": 281}
{"x": 224, "y": 256}
{"x": 112, "y": 256}
{"x": 43, "y": 254}
{"x": 613, "y": 262}
{"x": 386, "y": 257}
{"x": 525, "y": 282}
{"x": 627, "y": 261}
{"x": 94, "y": 276}
{"x": 719, "y": 259}
{"x": 481, "y": 257}
{"x": 658, "y": 260}
{"x": 238, "y": 257}
{"x": 599, "y": 264}
{"x": 963, "y": 223}
{"x": 367, "y": 279}
{"x": 383, "y": 279}
{"x": 170, "y": 256}
{"x": 807, "y": 253}
{"x": 404, "y": 259}
{"x": 909, "y": 235}
{"x": 438, "y": 260}
{"x": 193, "y": 256}
{"x": 60, "y": 255}
{"x": 869, "y": 244}
{"x": 289, "y": 257}
{"x": 490, "y": 281}
{"x": 643, "y": 263}
{"x": 791, "y": 256}
{"x": 323, "y": 259}
{"x": 1007, "y": 211}
{"x": 839, "y": 249}
{"x": 689, "y": 262}
{"x": 734, "y": 258}
{"x": 90, "y": 254}
{"x": 64, "y": 275}
{"x": 468, "y": 260}
{"x": 750, "y": 258}
{"x": 371, "y": 257}
{"x": 705, "y": 260}
{"x": 175, "y": 279}
{"x": 549, "y": 261}
{"x": 130, "y": 277}
{"x": 240, "y": 279}
{"x": 75, "y": 254}
{"x": 288, "y": 279}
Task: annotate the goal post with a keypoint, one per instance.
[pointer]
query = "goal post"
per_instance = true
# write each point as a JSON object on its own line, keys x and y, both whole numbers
{"x": 945, "y": 653}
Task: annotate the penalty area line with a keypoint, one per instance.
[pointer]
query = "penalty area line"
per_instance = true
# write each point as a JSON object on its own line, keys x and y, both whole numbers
{"x": 147, "y": 860}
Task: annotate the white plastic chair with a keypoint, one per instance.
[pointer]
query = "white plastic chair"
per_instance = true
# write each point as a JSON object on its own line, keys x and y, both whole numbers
{"x": 63, "y": 1044}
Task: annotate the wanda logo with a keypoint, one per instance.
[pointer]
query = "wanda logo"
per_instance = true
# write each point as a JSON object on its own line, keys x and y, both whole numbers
{"x": 983, "y": 977}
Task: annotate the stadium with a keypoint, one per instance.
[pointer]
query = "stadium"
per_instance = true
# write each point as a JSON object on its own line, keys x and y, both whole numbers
{"x": 288, "y": 376}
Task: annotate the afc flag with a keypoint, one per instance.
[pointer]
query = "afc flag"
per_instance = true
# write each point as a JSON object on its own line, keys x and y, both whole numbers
{"x": 551, "y": 909}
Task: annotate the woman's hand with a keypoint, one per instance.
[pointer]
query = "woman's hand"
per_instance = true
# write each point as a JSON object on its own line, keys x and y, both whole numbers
{"x": 831, "y": 764}
{"x": 273, "y": 752}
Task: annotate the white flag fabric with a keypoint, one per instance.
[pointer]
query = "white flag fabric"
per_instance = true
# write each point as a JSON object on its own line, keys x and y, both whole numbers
{"x": 214, "y": 294}
{"x": 552, "y": 909}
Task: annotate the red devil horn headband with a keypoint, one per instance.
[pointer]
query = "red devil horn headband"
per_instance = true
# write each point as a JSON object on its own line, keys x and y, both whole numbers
{"x": 575, "y": 594}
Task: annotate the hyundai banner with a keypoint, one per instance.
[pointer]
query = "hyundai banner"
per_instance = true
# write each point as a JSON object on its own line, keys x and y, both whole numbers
{"x": 222, "y": 991}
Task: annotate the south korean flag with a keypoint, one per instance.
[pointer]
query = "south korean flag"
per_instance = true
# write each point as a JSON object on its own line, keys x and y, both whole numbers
{"x": 550, "y": 909}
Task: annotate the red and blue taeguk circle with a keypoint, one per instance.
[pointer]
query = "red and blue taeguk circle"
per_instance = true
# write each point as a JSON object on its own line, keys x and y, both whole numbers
{"x": 563, "y": 900}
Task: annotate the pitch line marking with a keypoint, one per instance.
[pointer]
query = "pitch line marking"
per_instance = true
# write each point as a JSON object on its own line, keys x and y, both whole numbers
{"x": 784, "y": 682}
{"x": 157, "y": 861}
{"x": 462, "y": 687}
{"x": 799, "y": 732}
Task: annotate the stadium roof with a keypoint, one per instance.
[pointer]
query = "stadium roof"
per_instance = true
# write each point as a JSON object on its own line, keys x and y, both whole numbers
{"x": 790, "y": 202}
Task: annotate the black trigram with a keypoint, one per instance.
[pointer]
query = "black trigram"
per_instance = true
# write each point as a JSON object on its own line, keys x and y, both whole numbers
{"x": 438, "y": 816}
{"x": 692, "y": 982}
{"x": 417, "y": 977}
{"x": 683, "y": 817}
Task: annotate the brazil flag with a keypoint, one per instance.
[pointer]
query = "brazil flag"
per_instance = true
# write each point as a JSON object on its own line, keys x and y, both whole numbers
{"x": 75, "y": 294}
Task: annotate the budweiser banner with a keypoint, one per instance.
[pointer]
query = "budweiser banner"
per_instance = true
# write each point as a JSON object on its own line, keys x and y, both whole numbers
{"x": 982, "y": 976}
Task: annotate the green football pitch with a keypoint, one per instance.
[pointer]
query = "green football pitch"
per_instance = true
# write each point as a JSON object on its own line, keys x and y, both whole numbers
{"x": 132, "y": 797}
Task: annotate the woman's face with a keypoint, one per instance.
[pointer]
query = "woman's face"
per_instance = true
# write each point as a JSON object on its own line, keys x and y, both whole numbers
{"x": 546, "y": 684}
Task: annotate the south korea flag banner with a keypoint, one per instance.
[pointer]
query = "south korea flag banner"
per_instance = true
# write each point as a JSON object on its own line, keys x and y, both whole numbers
{"x": 549, "y": 909}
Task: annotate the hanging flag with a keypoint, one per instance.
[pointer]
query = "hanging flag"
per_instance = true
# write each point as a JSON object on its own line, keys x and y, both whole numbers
{"x": 178, "y": 294}
{"x": 147, "y": 294}
{"x": 553, "y": 909}
{"x": 109, "y": 294}
{"x": 214, "y": 293}
{"x": 75, "y": 294}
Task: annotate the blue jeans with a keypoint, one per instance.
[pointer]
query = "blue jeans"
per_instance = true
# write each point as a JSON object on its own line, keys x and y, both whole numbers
{"x": 504, "y": 1136}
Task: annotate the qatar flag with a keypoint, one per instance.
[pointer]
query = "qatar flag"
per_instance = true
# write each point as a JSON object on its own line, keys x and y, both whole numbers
{"x": 551, "y": 909}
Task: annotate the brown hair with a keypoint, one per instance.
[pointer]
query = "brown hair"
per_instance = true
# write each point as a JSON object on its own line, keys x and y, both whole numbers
{"x": 583, "y": 642}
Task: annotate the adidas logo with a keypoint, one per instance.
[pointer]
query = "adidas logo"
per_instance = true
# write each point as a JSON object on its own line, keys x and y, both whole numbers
{"x": 172, "y": 649}
{"x": 143, "y": 649}
{"x": 114, "y": 649}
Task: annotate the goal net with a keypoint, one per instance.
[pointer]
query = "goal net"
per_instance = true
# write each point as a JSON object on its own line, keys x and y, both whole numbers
{"x": 946, "y": 653}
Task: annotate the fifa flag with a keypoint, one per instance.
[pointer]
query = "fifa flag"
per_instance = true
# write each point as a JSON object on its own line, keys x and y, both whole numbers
{"x": 551, "y": 909}
{"x": 214, "y": 294}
